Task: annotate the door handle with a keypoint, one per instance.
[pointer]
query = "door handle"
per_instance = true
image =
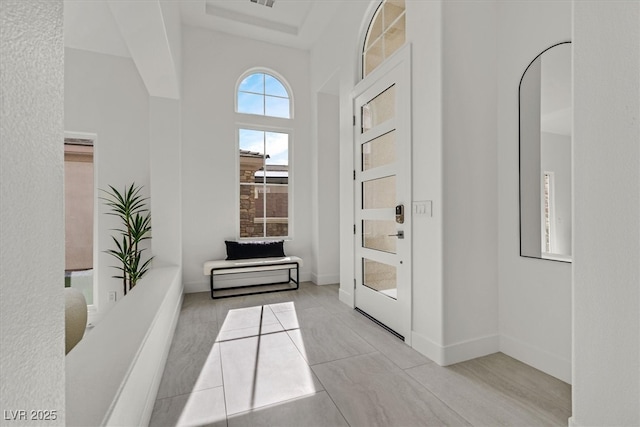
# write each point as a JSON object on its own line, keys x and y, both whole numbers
{"x": 399, "y": 235}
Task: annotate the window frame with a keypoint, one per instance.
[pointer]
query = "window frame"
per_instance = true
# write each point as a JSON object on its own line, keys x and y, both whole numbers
{"x": 373, "y": 10}
{"x": 276, "y": 76}
{"x": 264, "y": 123}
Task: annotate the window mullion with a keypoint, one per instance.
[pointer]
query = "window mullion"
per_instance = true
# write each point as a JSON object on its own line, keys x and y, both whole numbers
{"x": 264, "y": 186}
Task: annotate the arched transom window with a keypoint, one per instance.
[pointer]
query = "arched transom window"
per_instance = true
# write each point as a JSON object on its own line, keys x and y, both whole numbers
{"x": 264, "y": 95}
{"x": 385, "y": 35}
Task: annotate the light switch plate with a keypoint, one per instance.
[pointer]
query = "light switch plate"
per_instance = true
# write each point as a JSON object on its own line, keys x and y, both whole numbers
{"x": 423, "y": 208}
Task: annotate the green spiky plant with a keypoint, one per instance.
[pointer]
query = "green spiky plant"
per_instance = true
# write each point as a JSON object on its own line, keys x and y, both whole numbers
{"x": 135, "y": 219}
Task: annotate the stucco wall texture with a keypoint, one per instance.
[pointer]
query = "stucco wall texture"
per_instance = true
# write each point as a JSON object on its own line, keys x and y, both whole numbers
{"x": 31, "y": 218}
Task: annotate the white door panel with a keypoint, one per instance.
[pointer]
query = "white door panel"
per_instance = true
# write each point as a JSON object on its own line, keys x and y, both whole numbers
{"x": 382, "y": 107}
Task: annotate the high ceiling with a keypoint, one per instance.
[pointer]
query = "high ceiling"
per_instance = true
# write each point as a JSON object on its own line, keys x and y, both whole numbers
{"x": 89, "y": 24}
{"x": 294, "y": 23}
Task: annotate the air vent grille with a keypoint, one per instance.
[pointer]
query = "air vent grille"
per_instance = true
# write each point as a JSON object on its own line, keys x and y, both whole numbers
{"x": 268, "y": 3}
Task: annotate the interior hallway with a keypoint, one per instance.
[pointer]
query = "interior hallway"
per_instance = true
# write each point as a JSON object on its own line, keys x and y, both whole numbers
{"x": 313, "y": 361}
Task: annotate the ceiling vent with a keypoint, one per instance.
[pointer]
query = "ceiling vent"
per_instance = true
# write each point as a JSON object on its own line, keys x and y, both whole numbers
{"x": 268, "y": 3}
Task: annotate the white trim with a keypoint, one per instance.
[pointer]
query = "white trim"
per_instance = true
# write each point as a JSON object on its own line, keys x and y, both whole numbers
{"x": 325, "y": 279}
{"x": 346, "y": 297}
{"x": 536, "y": 357}
{"x": 424, "y": 345}
{"x": 93, "y": 310}
{"x": 457, "y": 352}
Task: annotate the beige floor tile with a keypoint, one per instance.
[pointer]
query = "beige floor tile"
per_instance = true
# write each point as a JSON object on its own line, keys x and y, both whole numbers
{"x": 248, "y": 317}
{"x": 268, "y": 381}
{"x": 319, "y": 338}
{"x": 371, "y": 391}
{"x": 199, "y": 308}
{"x": 191, "y": 371}
{"x": 201, "y": 408}
{"x": 502, "y": 365}
{"x": 224, "y": 305}
{"x": 537, "y": 401}
{"x": 300, "y": 298}
{"x": 264, "y": 370}
{"x": 191, "y": 336}
{"x": 483, "y": 403}
{"x": 252, "y": 331}
{"x": 317, "y": 410}
{"x": 326, "y": 296}
{"x": 383, "y": 341}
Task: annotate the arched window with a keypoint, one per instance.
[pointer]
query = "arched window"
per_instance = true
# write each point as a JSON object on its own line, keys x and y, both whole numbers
{"x": 386, "y": 33}
{"x": 264, "y": 95}
{"x": 264, "y": 157}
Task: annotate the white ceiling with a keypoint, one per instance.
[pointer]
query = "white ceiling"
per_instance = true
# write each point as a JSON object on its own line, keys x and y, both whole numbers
{"x": 89, "y": 24}
{"x": 293, "y": 23}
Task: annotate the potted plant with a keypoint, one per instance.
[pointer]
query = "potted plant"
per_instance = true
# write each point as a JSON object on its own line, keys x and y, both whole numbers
{"x": 135, "y": 219}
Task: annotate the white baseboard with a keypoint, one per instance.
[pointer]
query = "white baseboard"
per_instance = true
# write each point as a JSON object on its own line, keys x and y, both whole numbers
{"x": 455, "y": 353}
{"x": 573, "y": 423}
{"x": 345, "y": 297}
{"x": 424, "y": 345}
{"x": 470, "y": 349}
{"x": 538, "y": 358}
{"x": 325, "y": 279}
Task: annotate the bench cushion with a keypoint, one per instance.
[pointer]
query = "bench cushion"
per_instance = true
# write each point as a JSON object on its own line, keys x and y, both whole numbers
{"x": 249, "y": 265}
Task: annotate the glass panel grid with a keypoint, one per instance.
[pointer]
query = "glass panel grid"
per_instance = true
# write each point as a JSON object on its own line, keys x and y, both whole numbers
{"x": 379, "y": 193}
{"x": 379, "y": 110}
{"x": 385, "y": 34}
{"x": 264, "y": 178}
{"x": 379, "y": 151}
{"x": 379, "y": 235}
{"x": 264, "y": 95}
{"x": 379, "y": 277}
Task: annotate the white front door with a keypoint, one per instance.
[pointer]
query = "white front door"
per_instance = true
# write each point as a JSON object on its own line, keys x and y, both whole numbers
{"x": 382, "y": 109}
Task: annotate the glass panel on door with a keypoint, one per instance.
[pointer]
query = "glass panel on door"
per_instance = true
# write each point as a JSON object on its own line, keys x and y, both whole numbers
{"x": 379, "y": 235}
{"x": 379, "y": 109}
{"x": 379, "y": 193}
{"x": 380, "y": 151}
{"x": 379, "y": 277}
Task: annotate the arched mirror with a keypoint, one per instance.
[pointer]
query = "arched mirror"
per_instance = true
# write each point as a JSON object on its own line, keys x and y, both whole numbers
{"x": 545, "y": 110}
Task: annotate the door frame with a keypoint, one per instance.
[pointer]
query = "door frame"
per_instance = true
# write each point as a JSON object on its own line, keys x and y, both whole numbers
{"x": 400, "y": 59}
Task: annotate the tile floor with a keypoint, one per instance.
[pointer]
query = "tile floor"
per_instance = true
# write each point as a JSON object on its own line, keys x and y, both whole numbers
{"x": 302, "y": 358}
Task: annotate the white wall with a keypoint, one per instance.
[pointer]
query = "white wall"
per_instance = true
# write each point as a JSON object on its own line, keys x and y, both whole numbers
{"x": 425, "y": 32}
{"x": 534, "y": 295}
{"x": 606, "y": 282}
{"x": 105, "y": 95}
{"x": 470, "y": 197}
{"x": 31, "y": 218}
{"x": 326, "y": 154}
{"x": 212, "y": 64}
{"x": 333, "y": 59}
{"x": 165, "y": 176}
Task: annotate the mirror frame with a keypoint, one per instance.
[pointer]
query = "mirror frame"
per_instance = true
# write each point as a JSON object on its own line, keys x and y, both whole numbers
{"x": 520, "y": 157}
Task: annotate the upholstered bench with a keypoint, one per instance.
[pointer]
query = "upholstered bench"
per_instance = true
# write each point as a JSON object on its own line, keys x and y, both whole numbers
{"x": 245, "y": 258}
